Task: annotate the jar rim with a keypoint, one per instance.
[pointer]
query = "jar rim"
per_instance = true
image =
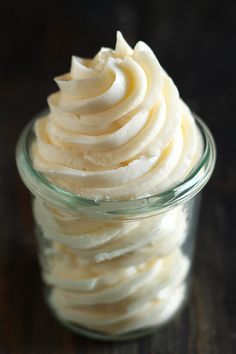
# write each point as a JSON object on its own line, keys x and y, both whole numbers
{"x": 39, "y": 185}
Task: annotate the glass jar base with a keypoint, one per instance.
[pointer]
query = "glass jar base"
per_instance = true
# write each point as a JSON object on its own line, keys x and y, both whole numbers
{"x": 132, "y": 335}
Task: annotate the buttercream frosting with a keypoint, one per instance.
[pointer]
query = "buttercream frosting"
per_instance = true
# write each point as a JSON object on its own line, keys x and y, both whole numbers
{"x": 117, "y": 130}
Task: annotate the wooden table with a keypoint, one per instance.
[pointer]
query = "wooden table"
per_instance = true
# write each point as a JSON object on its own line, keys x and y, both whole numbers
{"x": 206, "y": 78}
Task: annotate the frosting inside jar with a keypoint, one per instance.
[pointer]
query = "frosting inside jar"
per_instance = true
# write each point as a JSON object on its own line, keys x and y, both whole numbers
{"x": 114, "y": 277}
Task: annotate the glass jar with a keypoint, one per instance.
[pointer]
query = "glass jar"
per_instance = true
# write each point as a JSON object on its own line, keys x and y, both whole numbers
{"x": 115, "y": 269}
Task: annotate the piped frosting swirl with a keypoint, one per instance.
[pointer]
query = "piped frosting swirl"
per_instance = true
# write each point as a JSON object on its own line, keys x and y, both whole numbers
{"x": 117, "y": 128}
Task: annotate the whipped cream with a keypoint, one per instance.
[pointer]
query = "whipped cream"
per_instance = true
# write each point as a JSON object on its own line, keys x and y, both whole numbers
{"x": 117, "y": 129}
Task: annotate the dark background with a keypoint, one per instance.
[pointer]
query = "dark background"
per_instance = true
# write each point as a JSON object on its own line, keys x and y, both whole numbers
{"x": 195, "y": 42}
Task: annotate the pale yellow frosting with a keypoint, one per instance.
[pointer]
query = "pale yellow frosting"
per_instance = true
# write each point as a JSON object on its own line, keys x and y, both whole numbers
{"x": 114, "y": 276}
{"x": 117, "y": 128}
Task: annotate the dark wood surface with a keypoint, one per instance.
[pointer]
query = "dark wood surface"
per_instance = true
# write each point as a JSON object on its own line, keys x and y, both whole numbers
{"x": 195, "y": 43}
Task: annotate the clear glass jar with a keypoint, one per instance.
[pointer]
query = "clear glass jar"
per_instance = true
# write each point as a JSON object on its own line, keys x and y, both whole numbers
{"x": 115, "y": 269}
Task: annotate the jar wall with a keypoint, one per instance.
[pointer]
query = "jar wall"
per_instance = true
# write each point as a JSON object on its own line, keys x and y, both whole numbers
{"x": 113, "y": 269}
{"x": 115, "y": 277}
